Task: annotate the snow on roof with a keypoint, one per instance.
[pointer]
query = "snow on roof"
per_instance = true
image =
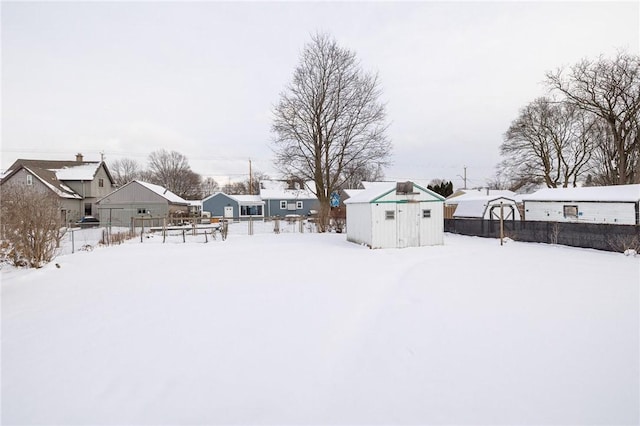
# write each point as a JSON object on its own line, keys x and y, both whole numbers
{"x": 247, "y": 199}
{"x": 589, "y": 193}
{"x": 61, "y": 190}
{"x": 83, "y": 171}
{"x": 275, "y": 189}
{"x": 163, "y": 192}
{"x": 476, "y": 207}
{"x": 352, "y": 192}
{"x": 479, "y": 197}
{"x": 374, "y": 190}
{"x": 472, "y": 194}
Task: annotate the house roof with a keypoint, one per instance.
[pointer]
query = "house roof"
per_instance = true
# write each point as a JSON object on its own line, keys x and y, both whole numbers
{"x": 163, "y": 192}
{"x": 49, "y": 180}
{"x": 54, "y": 173}
{"x": 463, "y": 194}
{"x": 375, "y": 190}
{"x": 278, "y": 190}
{"x": 241, "y": 199}
{"x": 590, "y": 193}
{"x": 476, "y": 207}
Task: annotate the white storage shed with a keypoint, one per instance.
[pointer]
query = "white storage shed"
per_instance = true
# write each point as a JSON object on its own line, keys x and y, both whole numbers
{"x": 395, "y": 214}
{"x": 617, "y": 204}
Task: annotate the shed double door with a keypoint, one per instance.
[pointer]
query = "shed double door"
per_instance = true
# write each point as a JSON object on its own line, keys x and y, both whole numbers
{"x": 408, "y": 225}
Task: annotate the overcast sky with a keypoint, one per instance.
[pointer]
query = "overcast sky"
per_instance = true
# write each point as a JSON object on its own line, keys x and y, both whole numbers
{"x": 201, "y": 78}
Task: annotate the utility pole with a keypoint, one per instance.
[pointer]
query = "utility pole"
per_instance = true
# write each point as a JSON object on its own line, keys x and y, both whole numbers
{"x": 464, "y": 178}
{"x": 250, "y": 179}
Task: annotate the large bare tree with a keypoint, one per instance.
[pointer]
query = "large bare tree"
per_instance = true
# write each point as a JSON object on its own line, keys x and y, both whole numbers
{"x": 610, "y": 89}
{"x": 550, "y": 142}
{"x": 172, "y": 170}
{"x": 329, "y": 120}
{"x": 125, "y": 170}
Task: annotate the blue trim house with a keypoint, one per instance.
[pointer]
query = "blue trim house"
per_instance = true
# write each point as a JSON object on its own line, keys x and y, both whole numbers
{"x": 240, "y": 207}
{"x": 282, "y": 198}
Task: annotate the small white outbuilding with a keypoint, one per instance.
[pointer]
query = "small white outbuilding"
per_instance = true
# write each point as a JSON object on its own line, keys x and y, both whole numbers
{"x": 618, "y": 204}
{"x": 395, "y": 215}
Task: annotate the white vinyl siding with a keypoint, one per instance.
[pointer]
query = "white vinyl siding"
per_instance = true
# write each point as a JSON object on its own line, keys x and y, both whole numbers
{"x": 623, "y": 213}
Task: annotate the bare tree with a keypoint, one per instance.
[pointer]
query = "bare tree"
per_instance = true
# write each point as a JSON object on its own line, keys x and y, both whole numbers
{"x": 356, "y": 174}
{"x": 329, "y": 120}
{"x": 172, "y": 170}
{"x": 236, "y": 188}
{"x": 549, "y": 141}
{"x": 31, "y": 225}
{"x": 209, "y": 186}
{"x": 609, "y": 89}
{"x": 125, "y": 170}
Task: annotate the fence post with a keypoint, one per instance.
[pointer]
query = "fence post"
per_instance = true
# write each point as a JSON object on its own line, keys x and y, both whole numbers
{"x": 501, "y": 222}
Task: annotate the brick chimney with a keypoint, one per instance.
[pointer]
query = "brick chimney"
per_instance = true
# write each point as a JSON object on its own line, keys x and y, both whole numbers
{"x": 79, "y": 158}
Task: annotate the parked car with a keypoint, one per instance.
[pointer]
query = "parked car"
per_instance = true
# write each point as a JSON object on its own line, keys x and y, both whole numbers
{"x": 88, "y": 222}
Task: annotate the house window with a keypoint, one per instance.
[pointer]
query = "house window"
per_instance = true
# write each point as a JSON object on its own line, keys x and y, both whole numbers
{"x": 142, "y": 211}
{"x": 29, "y": 180}
{"x": 283, "y": 205}
{"x": 426, "y": 213}
{"x": 389, "y": 214}
{"x": 101, "y": 183}
{"x": 87, "y": 209}
{"x": 299, "y": 205}
{"x": 250, "y": 210}
{"x": 570, "y": 212}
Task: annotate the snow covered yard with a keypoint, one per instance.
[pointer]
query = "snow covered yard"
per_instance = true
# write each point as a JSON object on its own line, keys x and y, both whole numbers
{"x": 310, "y": 329}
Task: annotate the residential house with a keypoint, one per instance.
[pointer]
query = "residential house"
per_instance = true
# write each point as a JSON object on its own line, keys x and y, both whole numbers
{"x": 284, "y": 198}
{"x": 78, "y": 184}
{"x": 242, "y": 207}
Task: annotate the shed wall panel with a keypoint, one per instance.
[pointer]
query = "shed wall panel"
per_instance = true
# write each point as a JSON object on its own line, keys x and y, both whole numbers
{"x": 432, "y": 228}
{"x": 359, "y": 223}
{"x": 588, "y": 212}
{"x": 385, "y": 231}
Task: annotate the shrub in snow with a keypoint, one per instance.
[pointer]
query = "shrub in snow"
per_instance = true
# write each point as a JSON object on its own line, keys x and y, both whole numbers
{"x": 32, "y": 225}
{"x": 630, "y": 252}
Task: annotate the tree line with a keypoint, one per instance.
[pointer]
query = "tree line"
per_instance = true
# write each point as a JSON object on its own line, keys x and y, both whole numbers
{"x": 171, "y": 170}
{"x": 586, "y": 130}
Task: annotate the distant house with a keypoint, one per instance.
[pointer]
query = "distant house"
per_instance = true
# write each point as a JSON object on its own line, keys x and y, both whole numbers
{"x": 282, "y": 198}
{"x": 617, "y": 204}
{"x": 395, "y": 214}
{"x": 241, "y": 207}
{"x": 78, "y": 184}
{"x": 140, "y": 199}
{"x": 485, "y": 207}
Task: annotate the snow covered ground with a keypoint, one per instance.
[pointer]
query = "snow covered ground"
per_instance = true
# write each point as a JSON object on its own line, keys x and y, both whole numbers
{"x": 310, "y": 329}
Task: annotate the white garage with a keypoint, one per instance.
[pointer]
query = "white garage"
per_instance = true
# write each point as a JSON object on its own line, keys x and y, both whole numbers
{"x": 395, "y": 215}
{"x": 617, "y": 204}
